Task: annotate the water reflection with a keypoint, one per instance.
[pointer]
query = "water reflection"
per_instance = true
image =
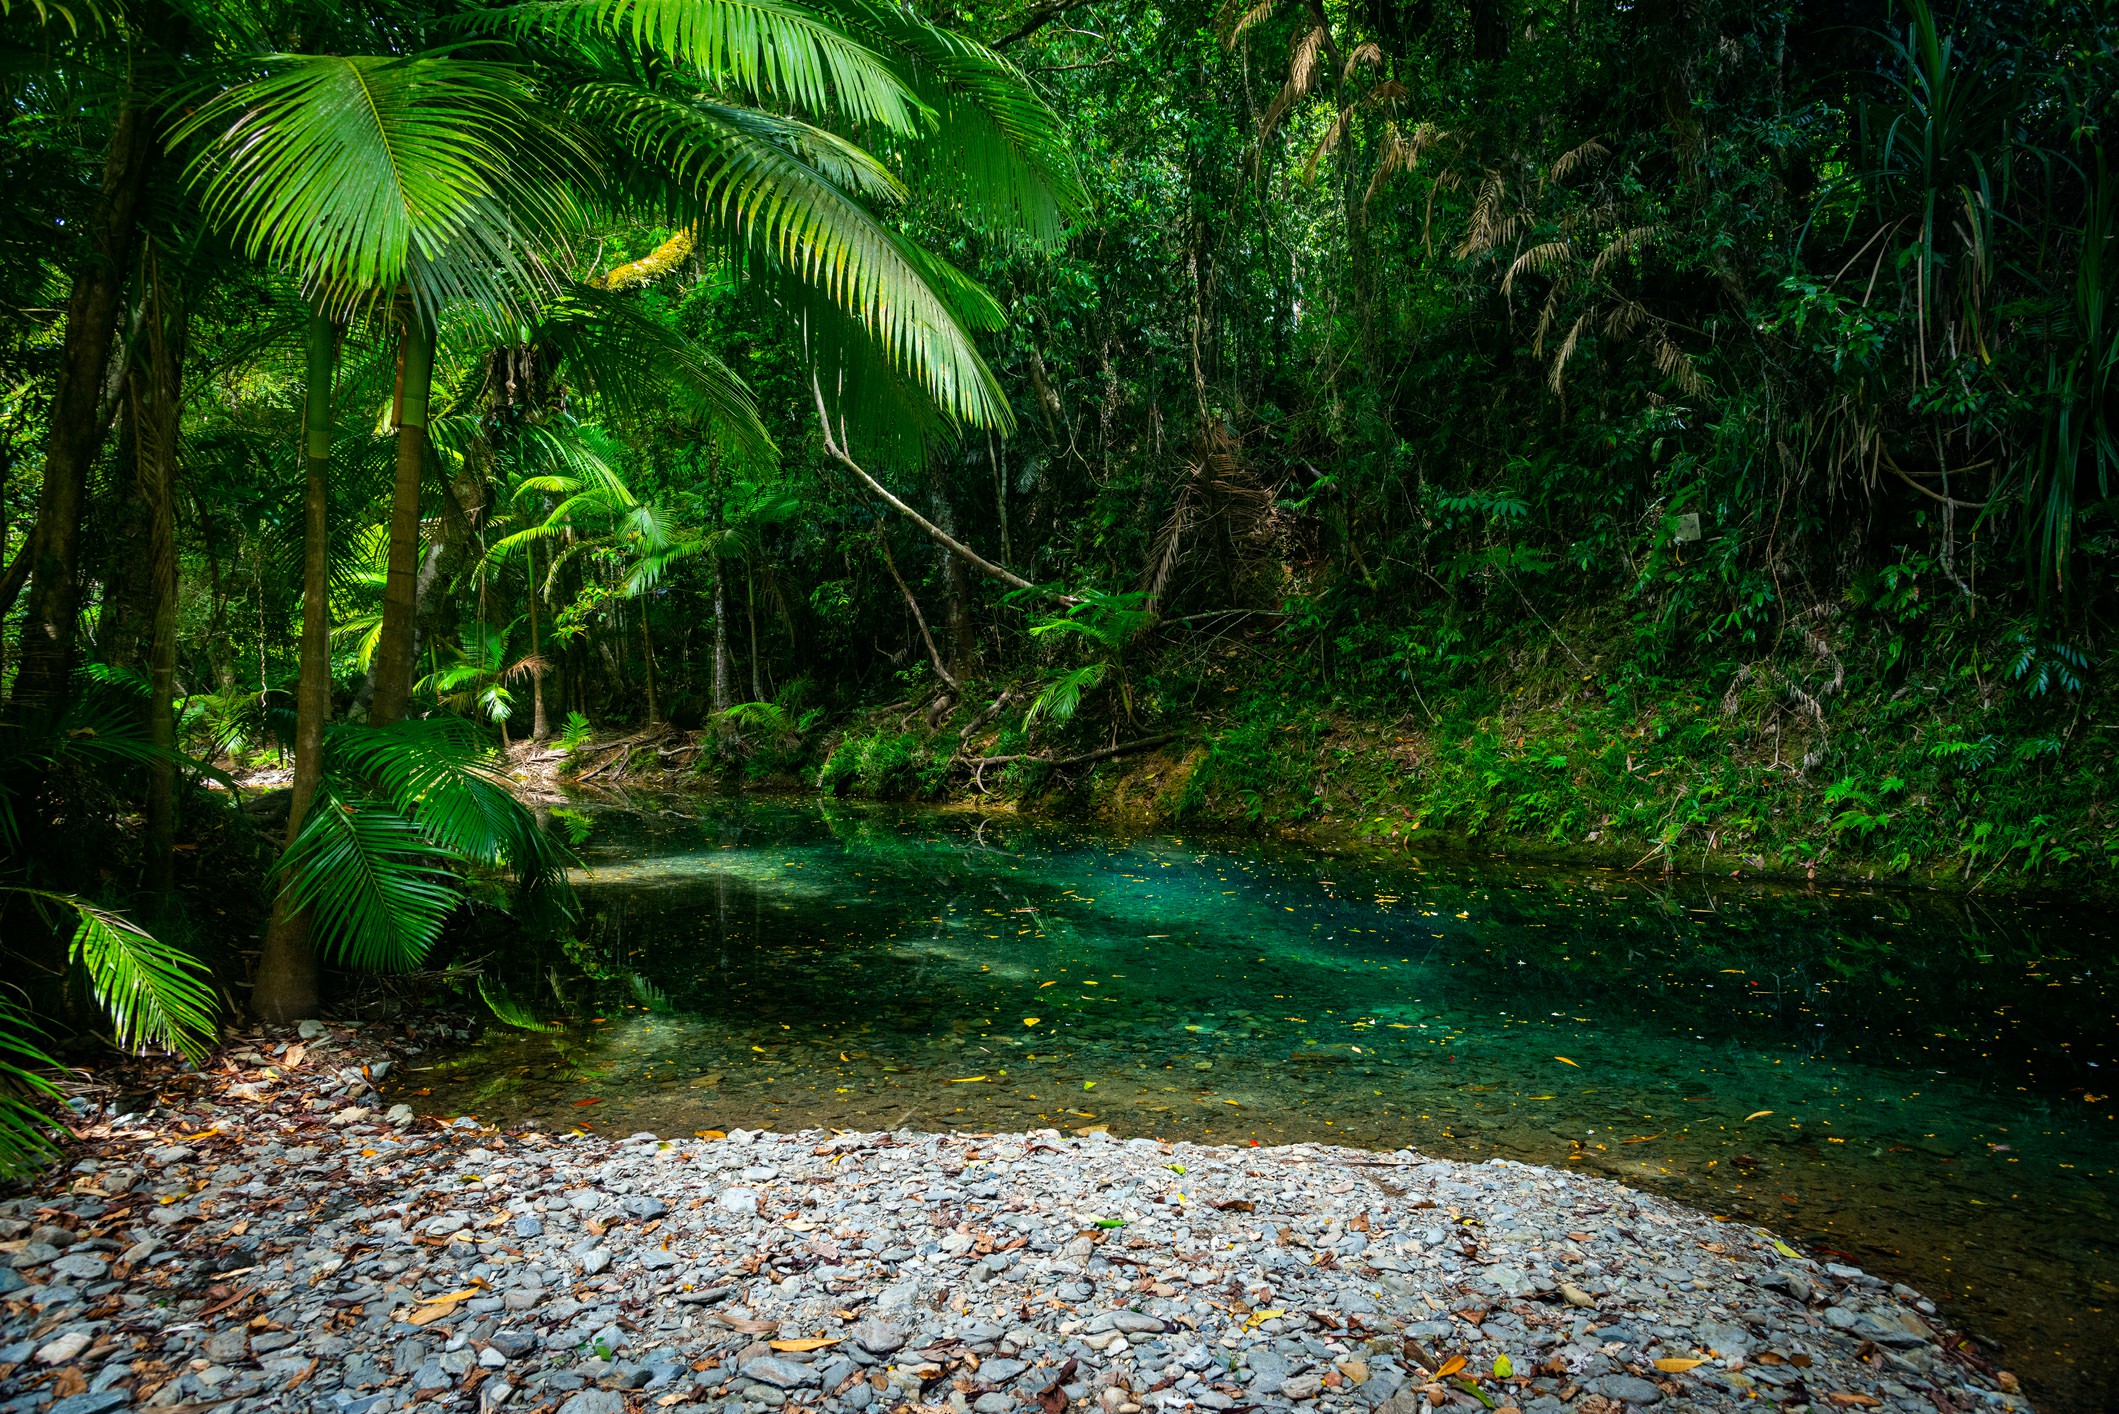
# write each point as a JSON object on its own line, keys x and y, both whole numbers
{"x": 1911, "y": 1081}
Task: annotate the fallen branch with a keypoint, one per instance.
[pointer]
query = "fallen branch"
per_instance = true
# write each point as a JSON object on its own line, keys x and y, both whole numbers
{"x": 1122, "y": 749}
{"x": 940, "y": 536}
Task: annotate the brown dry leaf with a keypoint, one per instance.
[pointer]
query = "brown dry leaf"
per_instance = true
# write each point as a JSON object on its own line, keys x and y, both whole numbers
{"x": 69, "y": 1381}
{"x": 440, "y": 1306}
{"x": 1678, "y": 1367}
{"x": 744, "y": 1325}
{"x": 812, "y": 1342}
{"x": 1237, "y": 1205}
{"x": 1854, "y": 1401}
{"x": 295, "y": 1056}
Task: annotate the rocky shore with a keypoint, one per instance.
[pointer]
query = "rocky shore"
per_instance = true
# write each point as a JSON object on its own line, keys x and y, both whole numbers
{"x": 267, "y": 1233}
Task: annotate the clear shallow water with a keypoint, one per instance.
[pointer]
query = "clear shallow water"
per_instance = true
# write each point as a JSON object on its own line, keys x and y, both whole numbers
{"x": 1924, "y": 1085}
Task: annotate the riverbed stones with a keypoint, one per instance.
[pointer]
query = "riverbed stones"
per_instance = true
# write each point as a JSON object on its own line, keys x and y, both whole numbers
{"x": 415, "y": 1268}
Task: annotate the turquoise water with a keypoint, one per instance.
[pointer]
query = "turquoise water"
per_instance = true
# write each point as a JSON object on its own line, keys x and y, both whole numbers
{"x": 1923, "y": 1084}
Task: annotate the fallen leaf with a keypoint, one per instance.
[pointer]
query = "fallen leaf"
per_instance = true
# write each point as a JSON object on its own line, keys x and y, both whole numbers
{"x": 1854, "y": 1401}
{"x": 294, "y": 1057}
{"x": 967, "y": 1079}
{"x": 591, "y": 1100}
{"x": 195, "y": 1138}
{"x": 1032, "y": 1020}
{"x": 1504, "y": 1367}
{"x": 1449, "y": 1367}
{"x": 1237, "y": 1205}
{"x": 813, "y": 1342}
{"x": 1043, "y": 985}
{"x": 439, "y": 1306}
{"x": 1565, "y": 1061}
{"x": 69, "y": 1381}
{"x": 1756, "y": 1114}
{"x": 1575, "y": 1296}
{"x": 1678, "y": 1367}
{"x": 709, "y": 1134}
{"x": 745, "y": 1325}
{"x": 1784, "y": 1249}
{"x": 1259, "y": 1318}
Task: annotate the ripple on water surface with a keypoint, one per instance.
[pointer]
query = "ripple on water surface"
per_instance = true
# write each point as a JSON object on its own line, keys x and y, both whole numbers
{"x": 1922, "y": 1084}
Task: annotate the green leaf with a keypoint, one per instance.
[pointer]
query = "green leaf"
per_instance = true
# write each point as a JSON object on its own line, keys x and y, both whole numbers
{"x": 155, "y": 993}
{"x": 379, "y": 888}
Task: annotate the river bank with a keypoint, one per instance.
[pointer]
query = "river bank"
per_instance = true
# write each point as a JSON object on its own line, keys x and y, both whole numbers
{"x": 271, "y": 1233}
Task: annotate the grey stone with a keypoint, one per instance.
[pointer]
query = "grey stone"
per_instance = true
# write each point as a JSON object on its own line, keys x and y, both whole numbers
{"x": 878, "y": 1337}
{"x": 595, "y": 1401}
{"x": 995, "y": 1403}
{"x": 309, "y": 1030}
{"x": 780, "y": 1373}
{"x": 1627, "y": 1389}
{"x": 226, "y": 1347}
{"x": 742, "y": 1201}
{"x": 1301, "y": 1386}
{"x": 81, "y": 1266}
{"x": 642, "y": 1208}
{"x": 514, "y": 1344}
{"x": 996, "y": 1372}
{"x": 94, "y": 1402}
{"x": 528, "y": 1225}
{"x": 596, "y": 1261}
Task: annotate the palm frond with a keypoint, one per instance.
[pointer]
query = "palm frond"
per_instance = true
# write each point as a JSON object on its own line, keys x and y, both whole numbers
{"x": 740, "y": 174}
{"x": 757, "y": 47}
{"x": 511, "y": 1012}
{"x": 998, "y": 151}
{"x": 156, "y": 994}
{"x": 379, "y": 888}
{"x": 1062, "y": 696}
{"x": 26, "y": 1131}
{"x": 358, "y": 172}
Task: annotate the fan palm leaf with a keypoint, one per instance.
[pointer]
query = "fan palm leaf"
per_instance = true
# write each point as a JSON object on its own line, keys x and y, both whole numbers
{"x": 360, "y": 172}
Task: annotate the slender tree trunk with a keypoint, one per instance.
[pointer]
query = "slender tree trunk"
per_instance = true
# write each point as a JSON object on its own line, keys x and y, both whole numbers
{"x": 394, "y": 649}
{"x": 934, "y": 654}
{"x": 285, "y": 988}
{"x": 539, "y": 728}
{"x": 166, "y": 332}
{"x": 750, "y": 608}
{"x": 721, "y": 690}
{"x": 78, "y": 420}
{"x": 647, "y": 658}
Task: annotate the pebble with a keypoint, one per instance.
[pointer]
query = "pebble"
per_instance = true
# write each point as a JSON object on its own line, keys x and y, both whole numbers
{"x": 312, "y": 1261}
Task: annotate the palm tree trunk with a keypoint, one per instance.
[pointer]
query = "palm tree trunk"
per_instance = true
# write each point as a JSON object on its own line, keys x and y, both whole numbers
{"x": 285, "y": 988}
{"x": 158, "y": 479}
{"x": 721, "y": 692}
{"x": 394, "y": 646}
{"x": 77, "y": 422}
{"x": 539, "y": 728}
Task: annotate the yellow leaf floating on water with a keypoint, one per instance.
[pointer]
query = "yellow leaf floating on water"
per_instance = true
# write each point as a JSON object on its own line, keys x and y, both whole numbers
{"x": 1784, "y": 1249}
{"x": 1088, "y": 1084}
{"x": 1032, "y": 1020}
{"x": 1756, "y": 1114}
{"x": 814, "y": 1342}
{"x": 1043, "y": 985}
{"x": 1565, "y": 1061}
{"x": 1678, "y": 1367}
{"x": 966, "y": 1080}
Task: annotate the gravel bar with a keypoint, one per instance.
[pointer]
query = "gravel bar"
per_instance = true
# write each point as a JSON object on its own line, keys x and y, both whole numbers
{"x": 266, "y": 1234}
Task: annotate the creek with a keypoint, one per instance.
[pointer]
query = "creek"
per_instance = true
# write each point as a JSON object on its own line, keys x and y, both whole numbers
{"x": 1920, "y": 1083}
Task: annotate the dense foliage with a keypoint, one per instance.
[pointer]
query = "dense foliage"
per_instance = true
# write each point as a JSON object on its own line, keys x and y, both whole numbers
{"x": 1686, "y": 429}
